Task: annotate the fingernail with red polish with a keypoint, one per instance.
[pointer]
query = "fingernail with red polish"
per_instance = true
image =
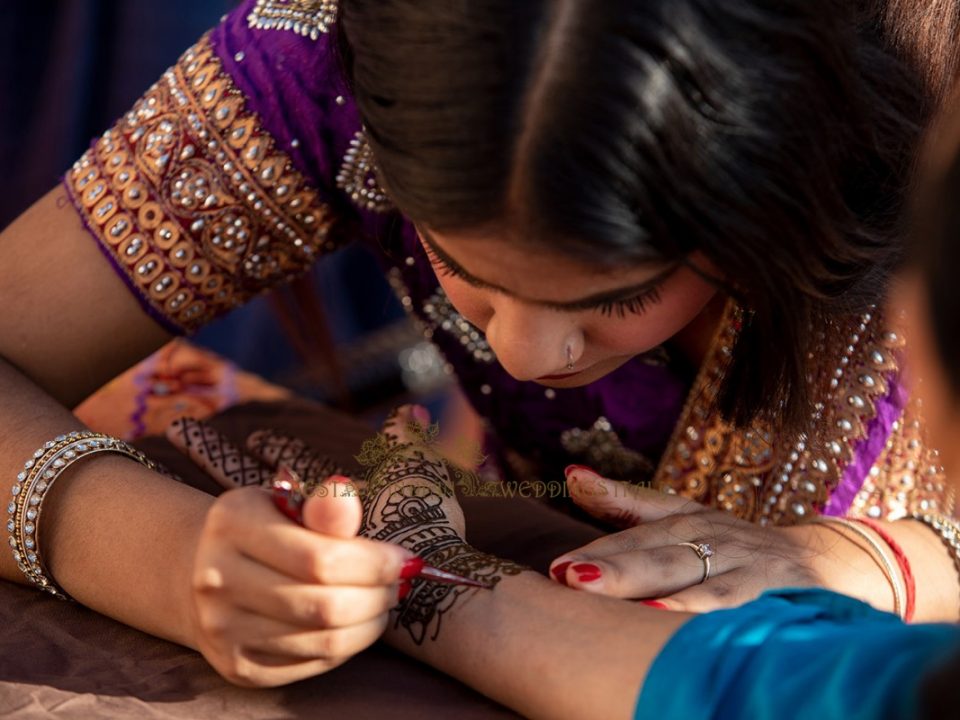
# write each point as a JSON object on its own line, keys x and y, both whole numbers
{"x": 287, "y": 495}
{"x": 560, "y": 572}
{"x": 571, "y": 468}
{"x": 404, "y": 590}
{"x": 587, "y": 572}
{"x": 411, "y": 568}
{"x": 654, "y": 604}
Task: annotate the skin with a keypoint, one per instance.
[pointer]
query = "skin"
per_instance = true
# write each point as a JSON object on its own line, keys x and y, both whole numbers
{"x": 509, "y": 292}
{"x": 516, "y": 310}
{"x": 185, "y": 569}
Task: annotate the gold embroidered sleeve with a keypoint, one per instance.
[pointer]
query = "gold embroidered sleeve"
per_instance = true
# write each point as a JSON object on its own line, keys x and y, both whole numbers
{"x": 193, "y": 201}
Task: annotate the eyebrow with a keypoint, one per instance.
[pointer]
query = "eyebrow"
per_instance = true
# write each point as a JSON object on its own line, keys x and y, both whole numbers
{"x": 586, "y": 303}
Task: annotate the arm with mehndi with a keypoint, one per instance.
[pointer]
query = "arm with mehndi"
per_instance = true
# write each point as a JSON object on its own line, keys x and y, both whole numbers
{"x": 528, "y": 643}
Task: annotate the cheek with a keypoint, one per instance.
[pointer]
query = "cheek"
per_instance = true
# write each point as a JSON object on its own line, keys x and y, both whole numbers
{"x": 682, "y": 298}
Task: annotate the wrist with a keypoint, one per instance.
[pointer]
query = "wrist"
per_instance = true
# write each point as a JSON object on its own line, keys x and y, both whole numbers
{"x": 843, "y": 562}
{"x": 935, "y": 568}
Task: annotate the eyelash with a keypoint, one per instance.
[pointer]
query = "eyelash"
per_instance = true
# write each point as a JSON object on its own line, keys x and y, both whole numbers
{"x": 636, "y": 305}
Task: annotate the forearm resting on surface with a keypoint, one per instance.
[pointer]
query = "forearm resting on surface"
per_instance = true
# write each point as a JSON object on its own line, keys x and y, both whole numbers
{"x": 938, "y": 587}
{"x": 68, "y": 323}
{"x": 537, "y": 647}
{"x": 117, "y": 537}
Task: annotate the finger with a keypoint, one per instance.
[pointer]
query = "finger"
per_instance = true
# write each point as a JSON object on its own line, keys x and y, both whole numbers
{"x": 262, "y": 591}
{"x": 642, "y": 574}
{"x": 276, "y": 449}
{"x": 408, "y": 424}
{"x": 334, "y": 508}
{"x": 337, "y": 644}
{"x": 723, "y": 591}
{"x": 216, "y": 455}
{"x": 248, "y": 520}
{"x": 695, "y": 527}
{"x": 623, "y": 503}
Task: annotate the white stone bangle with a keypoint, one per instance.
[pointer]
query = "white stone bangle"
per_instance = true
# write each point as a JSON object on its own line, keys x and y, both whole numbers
{"x": 39, "y": 474}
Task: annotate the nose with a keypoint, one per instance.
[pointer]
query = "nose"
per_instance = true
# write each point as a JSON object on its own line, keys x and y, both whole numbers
{"x": 531, "y": 342}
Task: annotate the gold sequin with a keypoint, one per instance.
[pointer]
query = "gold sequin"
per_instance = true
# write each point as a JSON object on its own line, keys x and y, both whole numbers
{"x": 193, "y": 199}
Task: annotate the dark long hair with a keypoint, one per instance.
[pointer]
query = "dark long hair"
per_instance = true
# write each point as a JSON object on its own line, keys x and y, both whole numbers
{"x": 776, "y": 138}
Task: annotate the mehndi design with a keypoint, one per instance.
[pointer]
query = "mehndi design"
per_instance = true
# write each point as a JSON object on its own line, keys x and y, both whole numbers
{"x": 407, "y": 487}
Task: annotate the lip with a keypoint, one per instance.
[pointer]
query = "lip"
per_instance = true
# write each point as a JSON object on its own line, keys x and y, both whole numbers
{"x": 560, "y": 377}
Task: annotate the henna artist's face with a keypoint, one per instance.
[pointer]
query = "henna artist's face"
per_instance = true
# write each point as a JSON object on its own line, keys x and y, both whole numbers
{"x": 533, "y": 306}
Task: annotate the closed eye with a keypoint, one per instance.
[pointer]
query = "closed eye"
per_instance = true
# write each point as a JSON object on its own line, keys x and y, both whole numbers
{"x": 634, "y": 305}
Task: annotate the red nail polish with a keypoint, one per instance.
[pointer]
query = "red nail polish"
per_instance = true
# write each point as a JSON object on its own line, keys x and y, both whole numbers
{"x": 587, "y": 572}
{"x": 287, "y": 492}
{"x": 405, "y": 587}
{"x": 654, "y": 604}
{"x": 560, "y": 572}
{"x": 411, "y": 568}
{"x": 571, "y": 468}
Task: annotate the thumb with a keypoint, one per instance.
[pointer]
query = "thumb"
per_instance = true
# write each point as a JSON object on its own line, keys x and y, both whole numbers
{"x": 608, "y": 500}
{"x": 622, "y": 504}
{"x": 334, "y": 508}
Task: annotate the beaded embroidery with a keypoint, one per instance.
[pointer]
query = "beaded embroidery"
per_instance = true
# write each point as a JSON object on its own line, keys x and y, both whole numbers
{"x": 194, "y": 201}
{"x": 601, "y": 449}
{"x": 747, "y": 473}
{"x": 441, "y": 315}
{"x": 358, "y": 176}
{"x": 309, "y": 18}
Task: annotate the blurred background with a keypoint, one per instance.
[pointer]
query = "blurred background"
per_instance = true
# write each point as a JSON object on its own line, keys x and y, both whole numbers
{"x": 68, "y": 69}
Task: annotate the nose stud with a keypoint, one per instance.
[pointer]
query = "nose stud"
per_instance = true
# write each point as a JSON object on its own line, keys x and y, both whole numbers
{"x": 569, "y": 357}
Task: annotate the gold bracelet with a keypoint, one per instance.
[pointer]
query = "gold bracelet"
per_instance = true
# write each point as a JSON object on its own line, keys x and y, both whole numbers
{"x": 879, "y": 556}
{"x": 39, "y": 474}
{"x": 948, "y": 531}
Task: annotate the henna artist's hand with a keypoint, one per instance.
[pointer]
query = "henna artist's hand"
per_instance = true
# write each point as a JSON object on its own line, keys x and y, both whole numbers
{"x": 645, "y": 560}
{"x": 274, "y": 602}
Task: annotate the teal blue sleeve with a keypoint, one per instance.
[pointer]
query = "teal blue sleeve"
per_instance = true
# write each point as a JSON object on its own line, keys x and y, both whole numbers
{"x": 804, "y": 654}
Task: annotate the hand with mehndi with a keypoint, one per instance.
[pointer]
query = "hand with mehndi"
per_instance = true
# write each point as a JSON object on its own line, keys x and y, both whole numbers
{"x": 274, "y": 602}
{"x": 410, "y": 499}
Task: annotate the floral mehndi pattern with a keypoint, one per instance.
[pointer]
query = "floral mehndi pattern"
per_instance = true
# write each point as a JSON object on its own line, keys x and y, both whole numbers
{"x": 406, "y": 488}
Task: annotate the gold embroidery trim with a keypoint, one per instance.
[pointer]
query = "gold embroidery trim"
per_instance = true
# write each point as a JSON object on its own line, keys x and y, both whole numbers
{"x": 769, "y": 479}
{"x": 308, "y": 18}
{"x": 193, "y": 200}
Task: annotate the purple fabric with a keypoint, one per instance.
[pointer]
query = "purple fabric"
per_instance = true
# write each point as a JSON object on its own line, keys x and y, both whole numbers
{"x": 889, "y": 409}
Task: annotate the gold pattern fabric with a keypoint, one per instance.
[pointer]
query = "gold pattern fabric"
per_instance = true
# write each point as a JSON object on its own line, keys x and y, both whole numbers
{"x": 769, "y": 479}
{"x": 194, "y": 201}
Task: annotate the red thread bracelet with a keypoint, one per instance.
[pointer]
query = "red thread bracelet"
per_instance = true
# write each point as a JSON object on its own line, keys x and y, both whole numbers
{"x": 903, "y": 562}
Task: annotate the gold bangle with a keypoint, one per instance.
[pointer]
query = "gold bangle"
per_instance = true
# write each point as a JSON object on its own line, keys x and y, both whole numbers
{"x": 39, "y": 474}
{"x": 879, "y": 556}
